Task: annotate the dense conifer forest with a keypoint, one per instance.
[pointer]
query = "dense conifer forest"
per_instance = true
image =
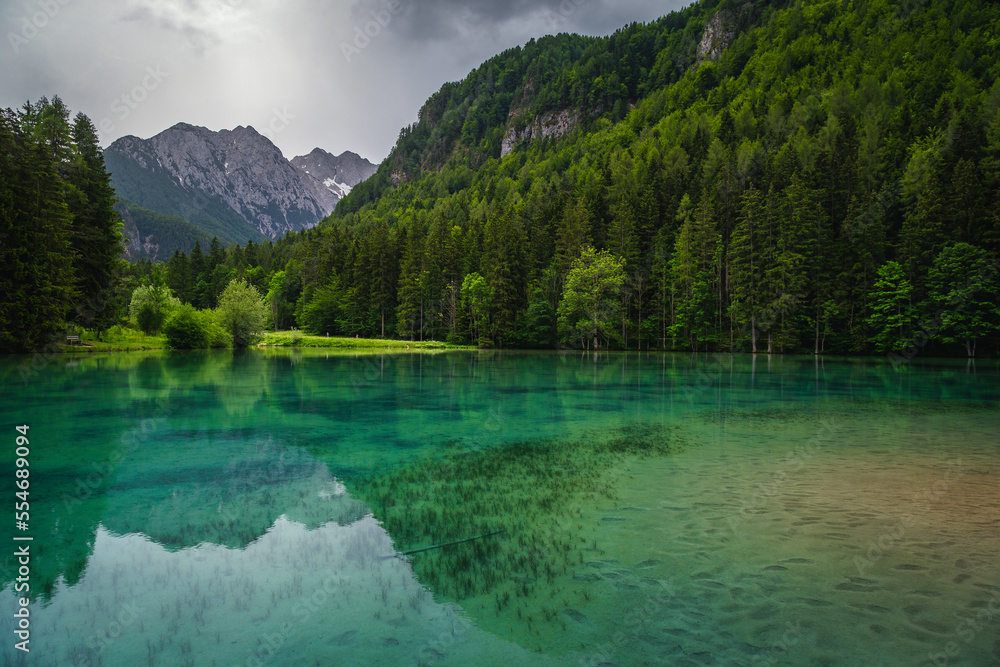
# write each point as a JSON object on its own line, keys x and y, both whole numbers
{"x": 60, "y": 237}
{"x": 818, "y": 176}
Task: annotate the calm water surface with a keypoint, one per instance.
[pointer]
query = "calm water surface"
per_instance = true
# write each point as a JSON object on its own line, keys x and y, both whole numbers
{"x": 294, "y": 508}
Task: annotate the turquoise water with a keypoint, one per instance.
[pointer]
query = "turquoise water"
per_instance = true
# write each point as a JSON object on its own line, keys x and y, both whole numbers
{"x": 624, "y": 509}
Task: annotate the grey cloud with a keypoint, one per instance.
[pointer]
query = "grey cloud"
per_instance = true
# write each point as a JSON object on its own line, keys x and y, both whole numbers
{"x": 423, "y": 20}
{"x": 233, "y": 62}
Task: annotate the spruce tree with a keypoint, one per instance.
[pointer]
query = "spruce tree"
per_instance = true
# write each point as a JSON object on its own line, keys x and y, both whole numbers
{"x": 37, "y": 277}
{"x": 97, "y": 232}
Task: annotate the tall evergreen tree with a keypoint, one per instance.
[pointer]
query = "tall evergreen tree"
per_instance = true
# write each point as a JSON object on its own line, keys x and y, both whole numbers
{"x": 505, "y": 274}
{"x": 97, "y": 232}
{"x": 37, "y": 284}
{"x": 747, "y": 267}
{"x": 693, "y": 268}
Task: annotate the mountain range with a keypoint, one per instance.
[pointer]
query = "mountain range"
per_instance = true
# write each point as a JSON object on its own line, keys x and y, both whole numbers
{"x": 190, "y": 184}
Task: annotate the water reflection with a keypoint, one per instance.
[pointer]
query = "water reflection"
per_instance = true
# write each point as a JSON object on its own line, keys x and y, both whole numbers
{"x": 221, "y": 509}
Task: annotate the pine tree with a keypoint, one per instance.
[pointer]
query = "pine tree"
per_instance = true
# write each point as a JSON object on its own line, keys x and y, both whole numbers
{"x": 693, "y": 268}
{"x": 505, "y": 274}
{"x": 179, "y": 276}
{"x": 97, "y": 232}
{"x": 572, "y": 234}
{"x": 37, "y": 278}
{"x": 799, "y": 217}
{"x": 409, "y": 312}
{"x": 746, "y": 266}
{"x": 922, "y": 236}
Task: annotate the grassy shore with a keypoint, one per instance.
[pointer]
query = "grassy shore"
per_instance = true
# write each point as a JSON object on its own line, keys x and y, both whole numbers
{"x": 116, "y": 339}
{"x": 119, "y": 339}
{"x": 299, "y": 339}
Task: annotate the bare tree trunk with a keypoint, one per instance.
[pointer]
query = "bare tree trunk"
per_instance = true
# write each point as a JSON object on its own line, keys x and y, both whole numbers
{"x": 816, "y": 350}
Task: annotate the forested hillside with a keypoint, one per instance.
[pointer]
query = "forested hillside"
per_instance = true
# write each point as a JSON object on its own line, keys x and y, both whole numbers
{"x": 60, "y": 237}
{"x": 791, "y": 177}
{"x": 828, "y": 183}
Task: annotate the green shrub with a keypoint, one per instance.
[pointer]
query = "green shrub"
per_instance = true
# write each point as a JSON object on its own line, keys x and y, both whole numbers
{"x": 114, "y": 334}
{"x": 218, "y": 337}
{"x": 187, "y": 330}
{"x": 242, "y": 312}
{"x": 149, "y": 319}
{"x": 161, "y": 299}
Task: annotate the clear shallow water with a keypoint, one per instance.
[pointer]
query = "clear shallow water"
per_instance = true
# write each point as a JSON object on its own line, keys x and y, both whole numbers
{"x": 655, "y": 509}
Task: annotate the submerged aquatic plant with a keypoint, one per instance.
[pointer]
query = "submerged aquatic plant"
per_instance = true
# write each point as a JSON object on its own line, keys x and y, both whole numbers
{"x": 518, "y": 502}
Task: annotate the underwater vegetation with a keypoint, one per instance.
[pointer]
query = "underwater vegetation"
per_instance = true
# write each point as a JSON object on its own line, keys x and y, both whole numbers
{"x": 524, "y": 499}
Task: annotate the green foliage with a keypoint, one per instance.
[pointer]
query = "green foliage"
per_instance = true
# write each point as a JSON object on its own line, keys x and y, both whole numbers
{"x": 963, "y": 294}
{"x": 149, "y": 320}
{"x": 476, "y": 302}
{"x": 541, "y": 326}
{"x": 695, "y": 271}
{"x": 242, "y": 312}
{"x": 151, "y": 306}
{"x": 891, "y": 316}
{"x": 280, "y": 301}
{"x": 187, "y": 329}
{"x": 590, "y": 306}
{"x": 218, "y": 336}
{"x": 324, "y": 313}
{"x": 753, "y": 199}
{"x": 60, "y": 240}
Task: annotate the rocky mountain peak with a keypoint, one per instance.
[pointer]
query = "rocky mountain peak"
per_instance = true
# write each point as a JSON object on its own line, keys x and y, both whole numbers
{"x": 338, "y": 173}
{"x": 235, "y": 180}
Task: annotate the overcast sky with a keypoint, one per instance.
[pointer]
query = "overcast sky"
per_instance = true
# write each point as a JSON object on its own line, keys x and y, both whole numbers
{"x": 303, "y": 72}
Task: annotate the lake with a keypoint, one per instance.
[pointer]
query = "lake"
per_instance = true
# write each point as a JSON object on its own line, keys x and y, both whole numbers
{"x": 484, "y": 508}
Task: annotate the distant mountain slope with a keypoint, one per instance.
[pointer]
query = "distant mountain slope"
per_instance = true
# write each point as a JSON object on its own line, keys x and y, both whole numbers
{"x": 234, "y": 184}
{"x": 339, "y": 174}
{"x": 151, "y": 235}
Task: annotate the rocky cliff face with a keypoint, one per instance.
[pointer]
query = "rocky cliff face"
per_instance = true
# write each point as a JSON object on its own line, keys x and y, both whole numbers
{"x": 722, "y": 30}
{"x": 337, "y": 173}
{"x": 137, "y": 245}
{"x": 233, "y": 183}
{"x": 555, "y": 124}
